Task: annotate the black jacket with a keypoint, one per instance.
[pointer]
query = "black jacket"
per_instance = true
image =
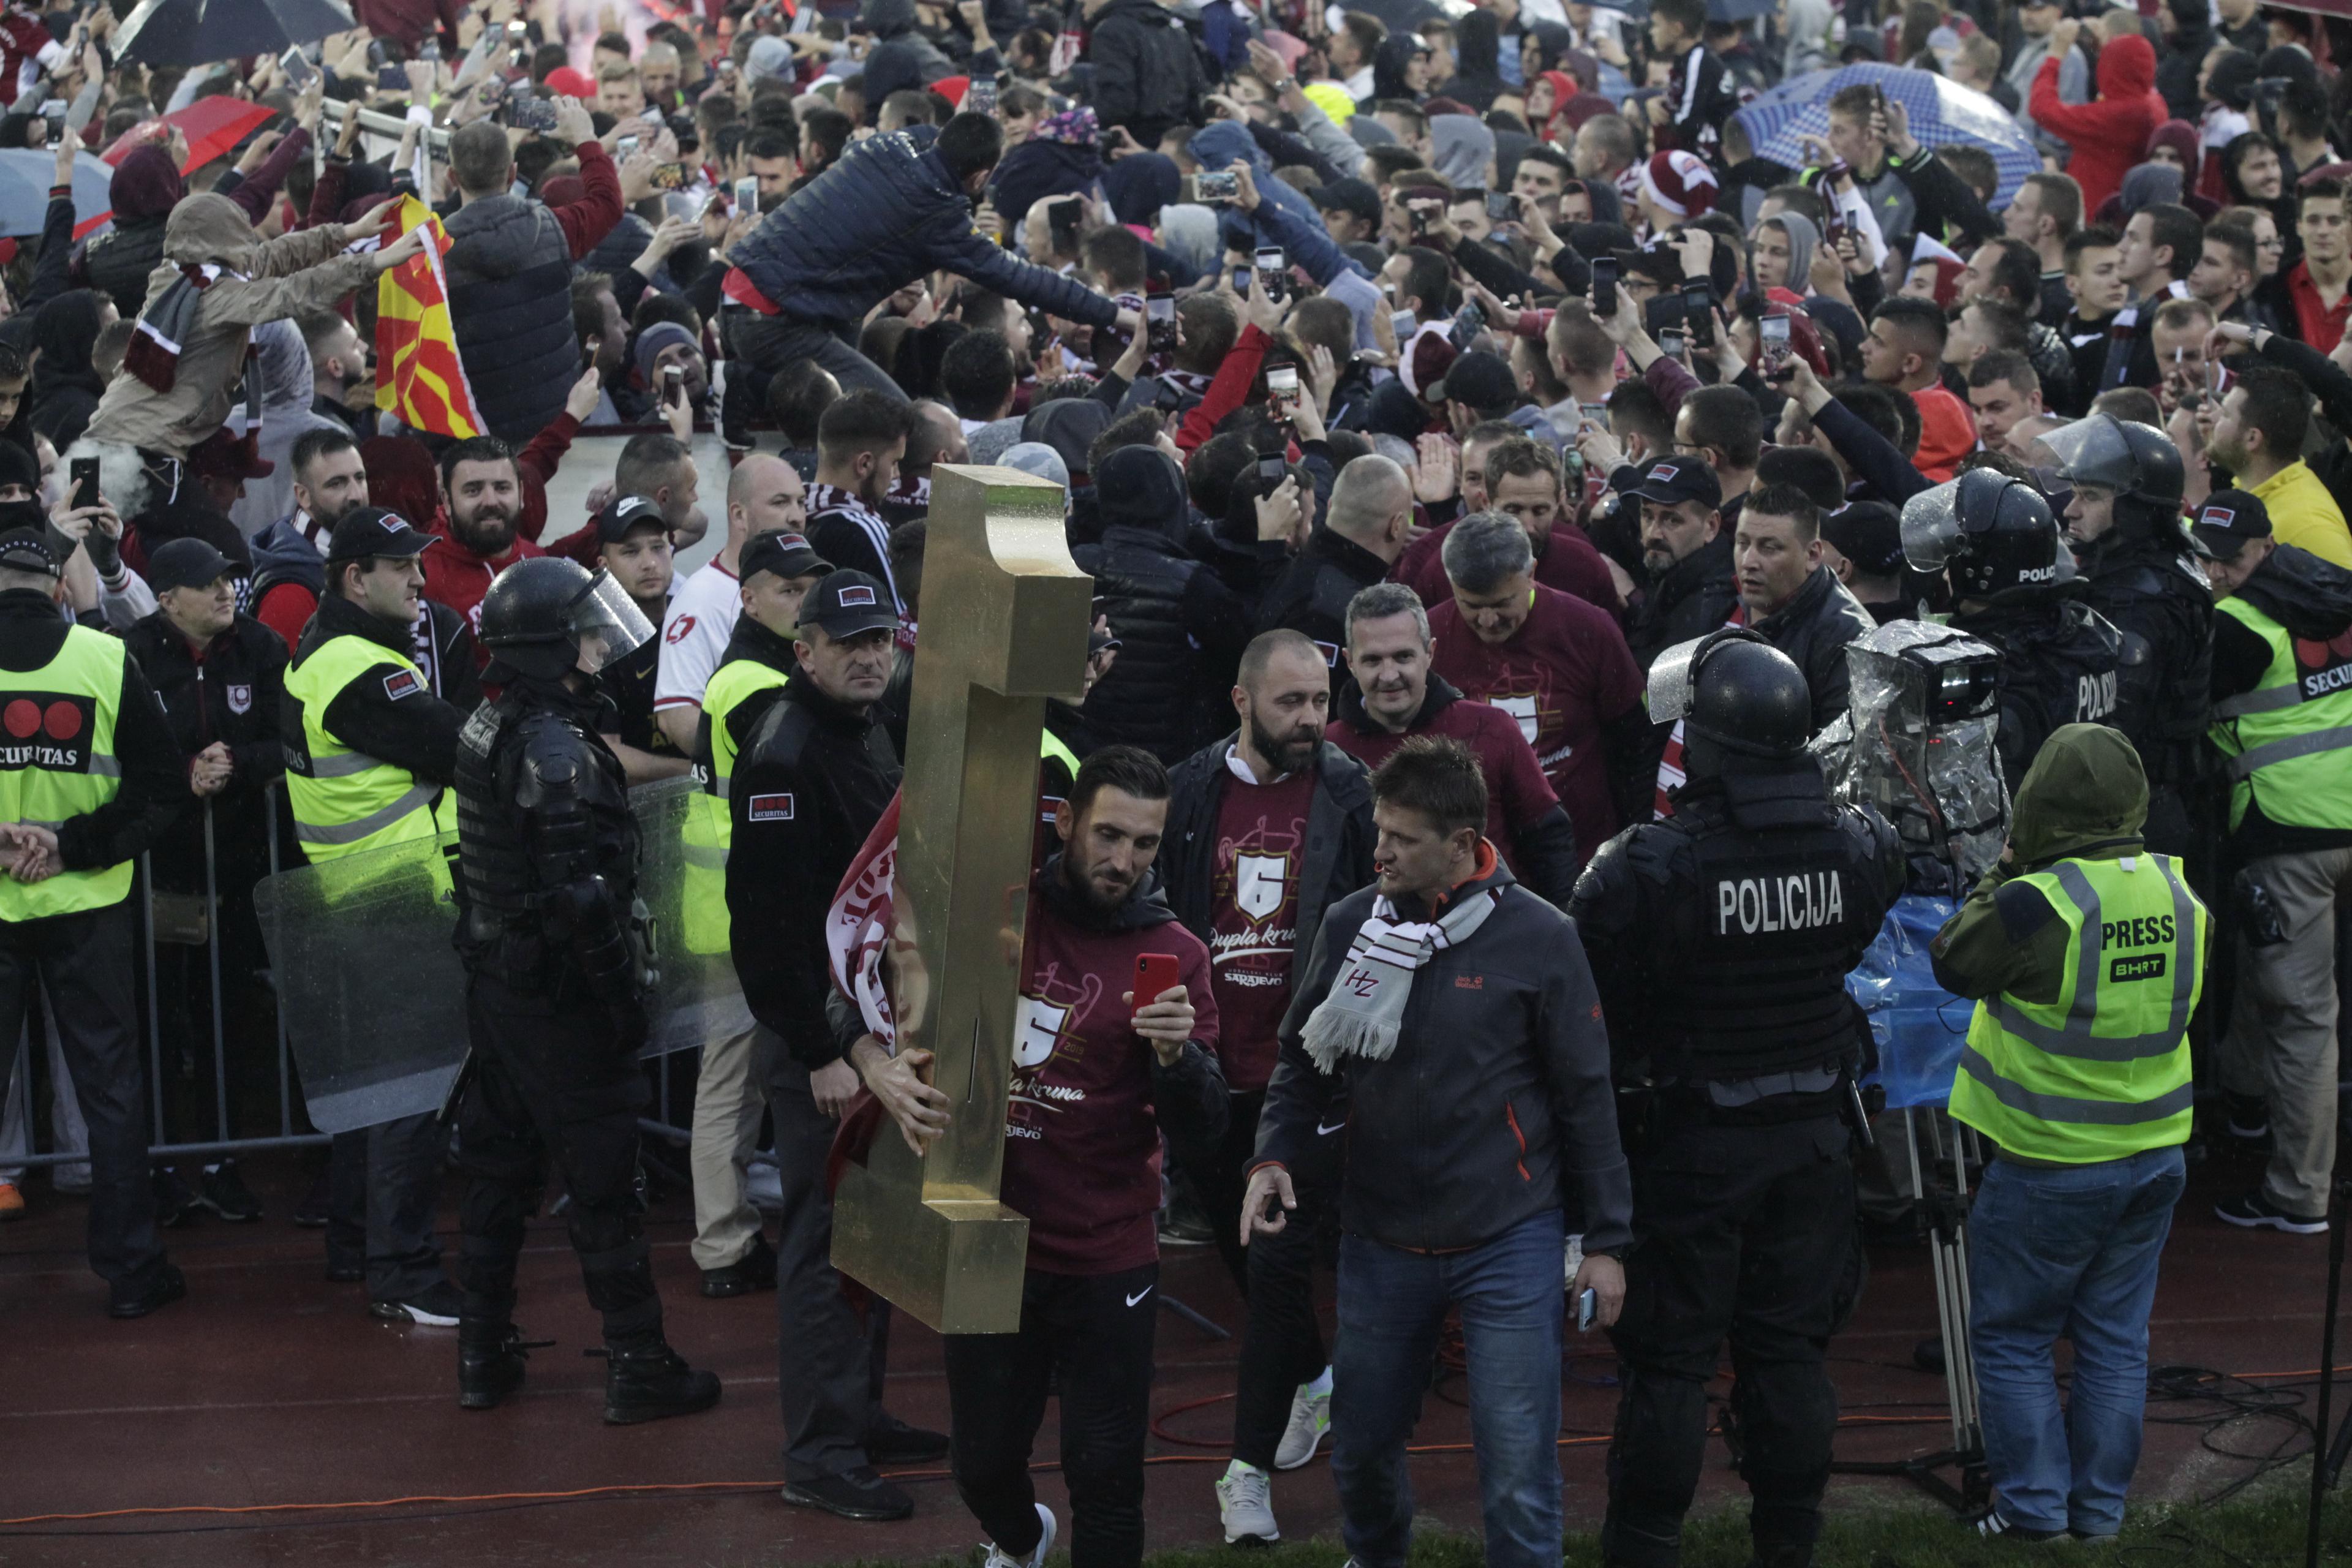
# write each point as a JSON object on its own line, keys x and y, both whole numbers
{"x": 119, "y": 262}
{"x": 154, "y": 779}
{"x": 2058, "y": 661}
{"x": 511, "y": 301}
{"x": 2155, "y": 596}
{"x": 886, "y": 214}
{"x": 1693, "y": 598}
{"x": 1181, "y": 626}
{"x": 417, "y": 732}
{"x": 806, "y": 789}
{"x": 753, "y": 641}
{"x": 235, "y": 693}
{"x": 1311, "y": 595}
{"x": 1148, "y": 75}
{"x": 1812, "y": 628}
{"x": 1496, "y": 1104}
{"x": 1339, "y": 836}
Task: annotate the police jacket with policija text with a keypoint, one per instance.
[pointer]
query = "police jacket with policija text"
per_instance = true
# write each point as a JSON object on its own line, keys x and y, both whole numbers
{"x": 388, "y": 713}
{"x": 2058, "y": 665}
{"x": 1723, "y": 935}
{"x": 886, "y": 213}
{"x": 233, "y": 691}
{"x": 1336, "y": 861}
{"x": 2155, "y": 596}
{"x": 1496, "y": 1104}
{"x": 808, "y": 786}
{"x": 154, "y": 778}
{"x": 547, "y": 847}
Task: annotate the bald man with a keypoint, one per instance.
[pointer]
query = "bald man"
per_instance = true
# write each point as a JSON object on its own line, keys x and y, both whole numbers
{"x": 763, "y": 493}
{"x": 1363, "y": 533}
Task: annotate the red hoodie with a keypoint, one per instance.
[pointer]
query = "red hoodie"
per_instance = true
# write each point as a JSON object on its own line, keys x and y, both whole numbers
{"x": 2108, "y": 136}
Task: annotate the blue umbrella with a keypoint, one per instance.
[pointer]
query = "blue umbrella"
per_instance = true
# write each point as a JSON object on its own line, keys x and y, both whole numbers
{"x": 24, "y": 177}
{"x": 1943, "y": 113}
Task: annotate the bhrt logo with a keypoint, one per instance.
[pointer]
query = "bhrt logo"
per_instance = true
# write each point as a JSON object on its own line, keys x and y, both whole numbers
{"x": 48, "y": 730}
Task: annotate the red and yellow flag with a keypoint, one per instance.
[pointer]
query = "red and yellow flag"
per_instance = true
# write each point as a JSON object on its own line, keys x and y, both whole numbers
{"x": 418, "y": 376}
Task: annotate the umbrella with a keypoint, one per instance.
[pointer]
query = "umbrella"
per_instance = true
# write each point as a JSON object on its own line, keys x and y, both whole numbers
{"x": 24, "y": 177}
{"x": 213, "y": 127}
{"x": 201, "y": 32}
{"x": 1943, "y": 113}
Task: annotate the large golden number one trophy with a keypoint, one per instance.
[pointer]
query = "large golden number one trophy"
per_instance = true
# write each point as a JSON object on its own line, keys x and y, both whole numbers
{"x": 1004, "y": 619}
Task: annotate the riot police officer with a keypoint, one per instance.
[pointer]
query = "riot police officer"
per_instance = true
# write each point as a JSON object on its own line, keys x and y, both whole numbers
{"x": 2059, "y": 658}
{"x": 556, "y": 980}
{"x": 1721, "y": 939}
{"x": 2139, "y": 571}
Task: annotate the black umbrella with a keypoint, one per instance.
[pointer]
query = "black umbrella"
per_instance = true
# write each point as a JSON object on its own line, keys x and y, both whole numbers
{"x": 200, "y": 32}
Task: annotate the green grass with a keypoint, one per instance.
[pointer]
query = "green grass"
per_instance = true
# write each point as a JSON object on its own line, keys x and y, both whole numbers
{"x": 2261, "y": 1529}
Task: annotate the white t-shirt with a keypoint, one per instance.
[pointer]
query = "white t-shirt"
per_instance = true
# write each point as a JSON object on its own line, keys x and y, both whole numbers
{"x": 695, "y": 636}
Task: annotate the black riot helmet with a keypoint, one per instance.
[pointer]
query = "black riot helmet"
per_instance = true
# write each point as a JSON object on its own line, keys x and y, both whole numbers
{"x": 2137, "y": 462}
{"x": 1990, "y": 532}
{"x": 1743, "y": 701}
{"x": 546, "y": 615}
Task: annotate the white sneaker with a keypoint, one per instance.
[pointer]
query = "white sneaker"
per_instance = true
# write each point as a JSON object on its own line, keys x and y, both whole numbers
{"x": 1245, "y": 1505}
{"x": 1310, "y": 1420}
{"x": 997, "y": 1557}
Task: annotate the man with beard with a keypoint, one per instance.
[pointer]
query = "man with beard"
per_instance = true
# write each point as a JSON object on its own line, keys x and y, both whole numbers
{"x": 481, "y": 498}
{"x": 1101, "y": 1072}
{"x": 288, "y": 556}
{"x": 339, "y": 362}
{"x": 1686, "y": 555}
{"x": 859, "y": 444}
{"x": 1266, "y": 829}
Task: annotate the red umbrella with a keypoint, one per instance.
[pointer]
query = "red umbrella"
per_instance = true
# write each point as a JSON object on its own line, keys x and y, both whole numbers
{"x": 211, "y": 125}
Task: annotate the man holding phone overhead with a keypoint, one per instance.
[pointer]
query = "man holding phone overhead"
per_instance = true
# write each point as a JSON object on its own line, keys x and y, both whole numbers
{"x": 1115, "y": 1040}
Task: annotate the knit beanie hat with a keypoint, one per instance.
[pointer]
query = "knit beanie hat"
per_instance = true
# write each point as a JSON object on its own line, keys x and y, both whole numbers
{"x": 1679, "y": 182}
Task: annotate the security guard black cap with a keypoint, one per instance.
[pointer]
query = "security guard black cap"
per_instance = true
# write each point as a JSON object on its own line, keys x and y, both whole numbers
{"x": 784, "y": 554}
{"x": 26, "y": 550}
{"x": 847, "y": 603}
{"x": 369, "y": 532}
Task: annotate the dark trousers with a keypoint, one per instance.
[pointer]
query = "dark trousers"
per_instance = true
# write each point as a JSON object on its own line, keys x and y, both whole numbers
{"x": 248, "y": 1053}
{"x": 1089, "y": 1335}
{"x": 829, "y": 1365}
{"x": 384, "y": 1189}
{"x": 1745, "y": 1233}
{"x": 553, "y": 1079}
{"x": 82, "y": 962}
{"x": 1282, "y": 1339}
{"x": 771, "y": 342}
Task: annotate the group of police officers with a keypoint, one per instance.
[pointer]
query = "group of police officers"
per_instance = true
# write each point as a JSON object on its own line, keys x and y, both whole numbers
{"x": 1721, "y": 935}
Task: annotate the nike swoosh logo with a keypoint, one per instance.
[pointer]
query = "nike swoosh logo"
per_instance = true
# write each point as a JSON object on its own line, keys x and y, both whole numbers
{"x": 1138, "y": 1296}
{"x": 1324, "y": 1132}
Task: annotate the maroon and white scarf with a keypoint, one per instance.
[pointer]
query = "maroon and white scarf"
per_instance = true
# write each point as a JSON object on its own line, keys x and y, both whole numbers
{"x": 154, "y": 355}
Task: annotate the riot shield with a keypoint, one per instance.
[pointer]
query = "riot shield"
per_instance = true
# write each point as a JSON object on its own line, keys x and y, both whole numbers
{"x": 374, "y": 994}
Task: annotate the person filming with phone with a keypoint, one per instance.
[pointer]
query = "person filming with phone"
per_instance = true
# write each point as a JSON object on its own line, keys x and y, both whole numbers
{"x": 1115, "y": 1042}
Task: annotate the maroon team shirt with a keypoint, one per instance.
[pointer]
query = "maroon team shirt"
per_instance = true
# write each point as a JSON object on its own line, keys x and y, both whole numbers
{"x": 1567, "y": 562}
{"x": 1516, "y": 790}
{"x": 1253, "y": 917}
{"x": 1563, "y": 674}
{"x": 1081, "y": 1138}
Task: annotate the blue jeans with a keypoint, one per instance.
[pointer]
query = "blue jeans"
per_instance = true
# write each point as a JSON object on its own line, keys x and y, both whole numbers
{"x": 2067, "y": 1253}
{"x": 1391, "y": 1303}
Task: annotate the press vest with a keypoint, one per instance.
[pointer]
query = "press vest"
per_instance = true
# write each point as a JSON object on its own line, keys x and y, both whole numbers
{"x": 2103, "y": 1072}
{"x": 346, "y": 802}
{"x": 708, "y": 830}
{"x": 57, "y": 761}
{"x": 2289, "y": 741}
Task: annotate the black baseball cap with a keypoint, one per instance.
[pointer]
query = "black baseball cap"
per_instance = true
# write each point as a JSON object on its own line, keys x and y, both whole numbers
{"x": 369, "y": 530}
{"x": 612, "y": 524}
{"x": 2226, "y": 521}
{"x": 1477, "y": 380}
{"x": 785, "y": 554}
{"x": 847, "y": 603}
{"x": 27, "y": 550}
{"x": 1869, "y": 534}
{"x": 1672, "y": 479}
{"x": 185, "y": 563}
{"x": 1353, "y": 196}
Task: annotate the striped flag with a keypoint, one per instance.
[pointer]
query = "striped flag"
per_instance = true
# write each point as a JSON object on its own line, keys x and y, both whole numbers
{"x": 419, "y": 377}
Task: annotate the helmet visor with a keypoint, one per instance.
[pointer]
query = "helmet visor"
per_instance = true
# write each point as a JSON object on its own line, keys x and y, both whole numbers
{"x": 1674, "y": 680}
{"x": 606, "y": 623}
{"x": 2093, "y": 451}
{"x": 1931, "y": 520}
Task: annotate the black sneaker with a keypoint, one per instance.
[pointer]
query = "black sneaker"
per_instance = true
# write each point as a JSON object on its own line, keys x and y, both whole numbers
{"x": 345, "y": 1271}
{"x": 176, "y": 1201}
{"x": 2252, "y": 1211}
{"x": 1181, "y": 1228}
{"x": 137, "y": 1298}
{"x": 310, "y": 1214}
{"x": 438, "y": 1306}
{"x": 859, "y": 1494}
{"x": 755, "y": 1270}
{"x": 1990, "y": 1523}
{"x": 653, "y": 1382}
{"x": 896, "y": 1443}
{"x": 224, "y": 1192}
{"x": 2246, "y": 1116}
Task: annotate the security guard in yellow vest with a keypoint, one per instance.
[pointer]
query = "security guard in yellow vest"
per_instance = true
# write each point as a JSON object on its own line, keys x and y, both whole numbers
{"x": 730, "y": 1096}
{"x": 2087, "y": 954}
{"x": 370, "y": 753}
{"x": 88, "y": 776}
{"x": 2283, "y": 723}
